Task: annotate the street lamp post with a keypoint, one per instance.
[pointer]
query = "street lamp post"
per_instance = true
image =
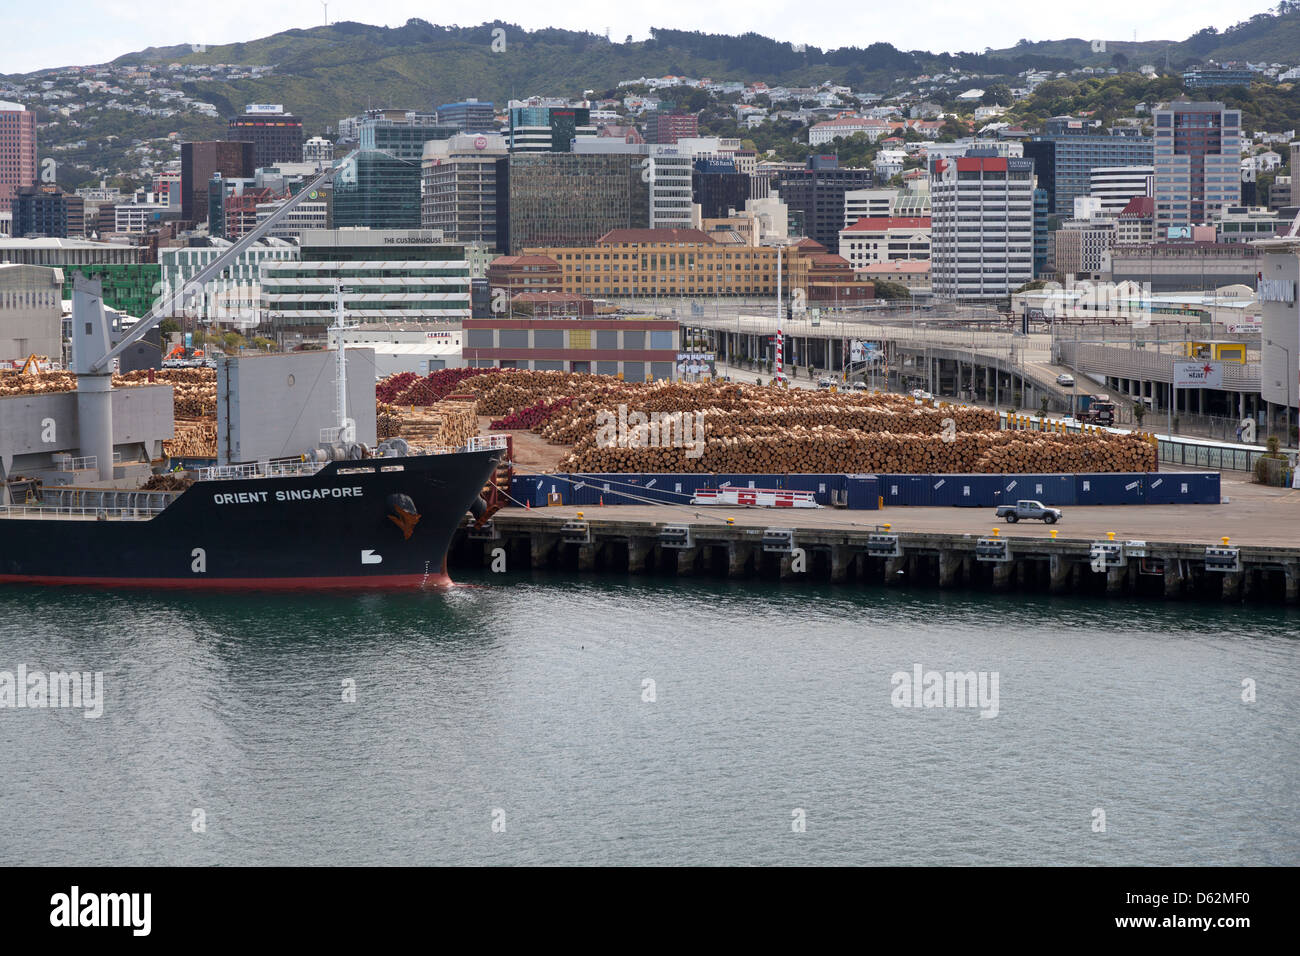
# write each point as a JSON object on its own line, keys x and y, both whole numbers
{"x": 1286, "y": 366}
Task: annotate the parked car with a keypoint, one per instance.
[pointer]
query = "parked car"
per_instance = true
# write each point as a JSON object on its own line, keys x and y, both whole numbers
{"x": 1065, "y": 378}
{"x": 1028, "y": 510}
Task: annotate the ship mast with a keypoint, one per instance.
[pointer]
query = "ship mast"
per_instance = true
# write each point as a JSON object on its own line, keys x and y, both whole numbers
{"x": 341, "y": 370}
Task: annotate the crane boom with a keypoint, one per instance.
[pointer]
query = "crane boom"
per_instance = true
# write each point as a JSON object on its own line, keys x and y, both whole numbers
{"x": 168, "y": 305}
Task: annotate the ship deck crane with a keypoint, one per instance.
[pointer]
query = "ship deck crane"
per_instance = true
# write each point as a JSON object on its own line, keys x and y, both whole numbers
{"x": 93, "y": 352}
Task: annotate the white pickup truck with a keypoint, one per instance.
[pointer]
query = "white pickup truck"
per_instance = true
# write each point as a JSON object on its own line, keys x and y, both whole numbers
{"x": 1029, "y": 509}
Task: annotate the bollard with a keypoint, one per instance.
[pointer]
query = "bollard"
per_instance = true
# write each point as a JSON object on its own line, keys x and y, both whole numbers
{"x": 1225, "y": 541}
{"x": 579, "y": 515}
{"x": 888, "y": 526}
{"x": 731, "y": 521}
{"x": 1052, "y": 532}
{"x": 1110, "y": 535}
{"x": 996, "y": 532}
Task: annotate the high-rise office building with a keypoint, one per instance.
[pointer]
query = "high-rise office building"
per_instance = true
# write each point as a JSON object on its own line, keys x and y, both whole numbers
{"x": 471, "y": 116}
{"x": 387, "y": 275}
{"x": 1069, "y": 149}
{"x": 402, "y": 138}
{"x": 17, "y": 150}
{"x": 376, "y": 189}
{"x": 572, "y": 199}
{"x": 815, "y": 196}
{"x": 276, "y": 135}
{"x": 1114, "y": 186}
{"x": 47, "y": 212}
{"x": 548, "y": 129}
{"x": 1197, "y": 163}
{"x": 668, "y": 128}
{"x": 717, "y": 187}
{"x": 465, "y": 189}
{"x": 982, "y": 225}
{"x": 666, "y": 169}
{"x": 199, "y": 161}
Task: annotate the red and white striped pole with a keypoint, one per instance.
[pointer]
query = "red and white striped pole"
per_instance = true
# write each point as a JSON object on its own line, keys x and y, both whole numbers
{"x": 780, "y": 310}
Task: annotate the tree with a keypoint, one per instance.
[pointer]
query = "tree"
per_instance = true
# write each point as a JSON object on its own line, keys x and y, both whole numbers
{"x": 891, "y": 291}
{"x": 168, "y": 326}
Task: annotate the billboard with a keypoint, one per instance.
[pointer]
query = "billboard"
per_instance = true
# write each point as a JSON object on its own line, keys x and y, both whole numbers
{"x": 1198, "y": 375}
{"x": 863, "y": 352}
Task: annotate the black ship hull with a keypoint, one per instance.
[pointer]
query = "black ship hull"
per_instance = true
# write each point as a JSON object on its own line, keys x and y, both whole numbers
{"x": 374, "y": 523}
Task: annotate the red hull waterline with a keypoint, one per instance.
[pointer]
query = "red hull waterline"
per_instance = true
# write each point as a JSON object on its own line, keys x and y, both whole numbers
{"x": 366, "y": 582}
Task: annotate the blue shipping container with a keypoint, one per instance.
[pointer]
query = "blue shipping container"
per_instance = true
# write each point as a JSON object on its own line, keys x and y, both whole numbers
{"x": 1182, "y": 488}
{"x": 975, "y": 491}
{"x": 863, "y": 491}
{"x": 1119, "y": 488}
{"x": 1052, "y": 490}
{"x": 820, "y": 485}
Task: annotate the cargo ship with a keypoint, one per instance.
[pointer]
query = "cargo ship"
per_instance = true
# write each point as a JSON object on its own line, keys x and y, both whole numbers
{"x": 378, "y": 522}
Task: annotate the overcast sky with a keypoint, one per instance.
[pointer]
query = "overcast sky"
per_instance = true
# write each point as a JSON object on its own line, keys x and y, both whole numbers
{"x": 67, "y": 32}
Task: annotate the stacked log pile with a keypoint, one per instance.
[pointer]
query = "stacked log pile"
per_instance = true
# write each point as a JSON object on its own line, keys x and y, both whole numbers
{"x": 195, "y": 438}
{"x": 448, "y": 424}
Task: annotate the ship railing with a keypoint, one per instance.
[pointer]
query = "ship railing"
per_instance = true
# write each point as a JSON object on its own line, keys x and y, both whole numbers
{"x": 293, "y": 468}
{"x": 486, "y": 443}
{"x": 68, "y": 463}
{"x": 105, "y": 503}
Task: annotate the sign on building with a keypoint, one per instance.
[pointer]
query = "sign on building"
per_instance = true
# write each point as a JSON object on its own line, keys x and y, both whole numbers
{"x": 1198, "y": 375}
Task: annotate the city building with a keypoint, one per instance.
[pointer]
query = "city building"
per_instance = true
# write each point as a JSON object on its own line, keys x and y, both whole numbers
{"x": 885, "y": 239}
{"x": 982, "y": 225}
{"x": 387, "y": 276}
{"x": 471, "y": 116}
{"x": 820, "y": 134}
{"x": 241, "y": 211}
{"x": 816, "y": 192}
{"x": 718, "y": 187}
{"x": 67, "y": 252}
{"x": 667, "y": 170}
{"x": 465, "y": 189}
{"x": 135, "y": 218}
{"x": 402, "y": 138}
{"x": 17, "y": 150}
{"x": 1295, "y": 174}
{"x": 868, "y": 204}
{"x": 47, "y": 212}
{"x": 31, "y": 312}
{"x": 548, "y": 129}
{"x": 1081, "y": 248}
{"x": 377, "y": 190}
{"x": 1114, "y": 186}
{"x": 312, "y": 213}
{"x": 1069, "y": 149}
{"x": 528, "y": 273}
{"x": 668, "y": 128}
{"x": 1209, "y": 79}
{"x": 1247, "y": 223}
{"x": 1186, "y": 266}
{"x": 130, "y": 288}
{"x": 276, "y": 135}
{"x": 180, "y": 264}
{"x": 318, "y": 151}
{"x": 635, "y": 348}
{"x": 572, "y": 199}
{"x": 915, "y": 274}
{"x": 663, "y": 262}
{"x": 200, "y": 161}
{"x": 1197, "y": 163}
{"x": 1042, "y": 221}
{"x": 1281, "y": 193}
{"x": 1136, "y": 223}
{"x": 551, "y": 305}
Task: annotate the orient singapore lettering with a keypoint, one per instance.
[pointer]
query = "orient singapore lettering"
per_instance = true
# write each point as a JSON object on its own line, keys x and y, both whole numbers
{"x": 303, "y": 494}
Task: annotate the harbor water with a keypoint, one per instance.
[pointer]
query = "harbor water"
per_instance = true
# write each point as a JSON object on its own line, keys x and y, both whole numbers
{"x": 557, "y": 719}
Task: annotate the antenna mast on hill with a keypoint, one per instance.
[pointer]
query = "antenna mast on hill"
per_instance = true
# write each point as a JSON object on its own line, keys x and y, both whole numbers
{"x": 326, "y": 5}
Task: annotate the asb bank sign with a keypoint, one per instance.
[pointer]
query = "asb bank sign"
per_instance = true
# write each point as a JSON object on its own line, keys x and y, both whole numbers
{"x": 1198, "y": 375}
